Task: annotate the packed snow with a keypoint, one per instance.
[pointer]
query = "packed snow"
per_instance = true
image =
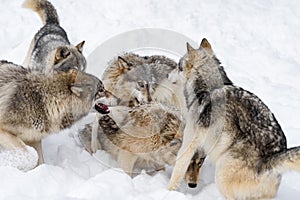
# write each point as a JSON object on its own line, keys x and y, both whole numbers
{"x": 258, "y": 43}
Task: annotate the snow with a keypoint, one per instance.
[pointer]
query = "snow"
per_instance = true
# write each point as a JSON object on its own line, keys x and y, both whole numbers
{"x": 256, "y": 41}
{"x": 22, "y": 159}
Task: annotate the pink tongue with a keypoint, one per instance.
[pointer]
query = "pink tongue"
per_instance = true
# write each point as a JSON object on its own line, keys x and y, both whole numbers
{"x": 102, "y": 108}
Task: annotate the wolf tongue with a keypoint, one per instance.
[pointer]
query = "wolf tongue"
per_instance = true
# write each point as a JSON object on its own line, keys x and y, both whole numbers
{"x": 102, "y": 108}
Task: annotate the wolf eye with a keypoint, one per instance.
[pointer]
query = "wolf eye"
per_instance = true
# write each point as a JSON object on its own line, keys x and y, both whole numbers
{"x": 141, "y": 84}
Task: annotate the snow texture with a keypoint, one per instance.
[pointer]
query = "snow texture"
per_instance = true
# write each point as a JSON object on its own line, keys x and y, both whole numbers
{"x": 257, "y": 41}
{"x": 23, "y": 159}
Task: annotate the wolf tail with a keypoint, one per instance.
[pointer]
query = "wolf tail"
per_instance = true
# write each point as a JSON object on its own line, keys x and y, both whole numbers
{"x": 44, "y": 8}
{"x": 285, "y": 161}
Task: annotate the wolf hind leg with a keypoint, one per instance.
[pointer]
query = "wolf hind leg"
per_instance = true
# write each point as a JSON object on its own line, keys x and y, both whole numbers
{"x": 236, "y": 180}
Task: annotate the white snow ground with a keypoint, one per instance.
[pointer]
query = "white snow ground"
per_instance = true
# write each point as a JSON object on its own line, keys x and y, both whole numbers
{"x": 257, "y": 41}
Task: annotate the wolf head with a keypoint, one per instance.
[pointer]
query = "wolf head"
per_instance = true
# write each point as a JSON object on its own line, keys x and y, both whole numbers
{"x": 69, "y": 57}
{"x": 193, "y": 171}
{"x": 73, "y": 92}
{"x": 203, "y": 63}
{"x": 139, "y": 83}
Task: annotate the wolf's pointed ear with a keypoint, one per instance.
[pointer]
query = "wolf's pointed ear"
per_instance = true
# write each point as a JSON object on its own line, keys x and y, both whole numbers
{"x": 205, "y": 45}
{"x": 123, "y": 64}
{"x": 60, "y": 54}
{"x": 190, "y": 49}
{"x": 77, "y": 90}
{"x": 79, "y": 46}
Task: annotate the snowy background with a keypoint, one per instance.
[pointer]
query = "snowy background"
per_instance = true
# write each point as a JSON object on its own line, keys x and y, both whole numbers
{"x": 257, "y": 41}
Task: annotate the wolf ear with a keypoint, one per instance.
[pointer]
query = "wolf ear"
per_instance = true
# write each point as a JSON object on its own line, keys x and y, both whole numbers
{"x": 123, "y": 64}
{"x": 79, "y": 46}
{"x": 205, "y": 45}
{"x": 60, "y": 54}
{"x": 190, "y": 49}
{"x": 77, "y": 90}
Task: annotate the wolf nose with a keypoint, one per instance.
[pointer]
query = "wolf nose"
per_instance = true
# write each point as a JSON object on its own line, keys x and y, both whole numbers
{"x": 192, "y": 185}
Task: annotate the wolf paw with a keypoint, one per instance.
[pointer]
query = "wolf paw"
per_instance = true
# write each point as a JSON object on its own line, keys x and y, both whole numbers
{"x": 108, "y": 124}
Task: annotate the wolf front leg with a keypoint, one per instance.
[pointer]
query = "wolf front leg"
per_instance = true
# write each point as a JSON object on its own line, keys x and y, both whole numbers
{"x": 184, "y": 156}
{"x": 95, "y": 144}
{"x": 15, "y": 153}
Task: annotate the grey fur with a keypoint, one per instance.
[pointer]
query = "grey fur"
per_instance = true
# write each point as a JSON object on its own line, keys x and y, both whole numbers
{"x": 36, "y": 105}
{"x": 50, "y": 48}
{"x": 144, "y": 137}
{"x": 135, "y": 79}
{"x": 136, "y": 131}
{"x": 234, "y": 128}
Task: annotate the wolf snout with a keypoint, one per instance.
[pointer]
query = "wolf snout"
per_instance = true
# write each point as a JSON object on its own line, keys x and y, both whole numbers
{"x": 106, "y": 97}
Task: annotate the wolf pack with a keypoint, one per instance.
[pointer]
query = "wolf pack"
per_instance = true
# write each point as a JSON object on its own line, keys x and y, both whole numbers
{"x": 150, "y": 112}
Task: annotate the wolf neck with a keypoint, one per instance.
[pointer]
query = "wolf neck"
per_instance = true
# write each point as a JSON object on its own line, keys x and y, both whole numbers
{"x": 210, "y": 73}
{"x": 204, "y": 79}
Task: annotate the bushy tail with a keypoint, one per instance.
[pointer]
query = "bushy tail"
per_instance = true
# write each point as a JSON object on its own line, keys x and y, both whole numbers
{"x": 285, "y": 161}
{"x": 44, "y": 8}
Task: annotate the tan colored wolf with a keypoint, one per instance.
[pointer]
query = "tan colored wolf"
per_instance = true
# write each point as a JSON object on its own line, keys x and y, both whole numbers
{"x": 234, "y": 128}
{"x": 145, "y": 137}
{"x": 33, "y": 106}
{"x": 50, "y": 48}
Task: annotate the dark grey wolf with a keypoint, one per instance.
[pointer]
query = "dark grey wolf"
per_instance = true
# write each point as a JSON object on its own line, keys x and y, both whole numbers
{"x": 33, "y": 106}
{"x": 234, "y": 128}
{"x": 145, "y": 137}
{"x": 50, "y": 47}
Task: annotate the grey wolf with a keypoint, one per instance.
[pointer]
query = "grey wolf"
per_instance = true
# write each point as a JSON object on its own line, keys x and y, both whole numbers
{"x": 234, "y": 128}
{"x": 50, "y": 47}
{"x": 33, "y": 106}
{"x": 136, "y": 80}
{"x": 146, "y": 137}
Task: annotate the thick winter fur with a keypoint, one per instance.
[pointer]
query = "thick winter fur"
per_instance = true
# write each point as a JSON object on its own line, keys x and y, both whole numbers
{"x": 144, "y": 137}
{"x": 136, "y": 80}
{"x": 50, "y": 48}
{"x": 234, "y": 128}
{"x": 33, "y": 106}
{"x": 138, "y": 134}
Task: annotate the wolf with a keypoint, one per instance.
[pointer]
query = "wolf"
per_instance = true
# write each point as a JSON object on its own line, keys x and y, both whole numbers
{"x": 147, "y": 137}
{"x": 136, "y": 79}
{"x": 50, "y": 47}
{"x": 233, "y": 127}
{"x": 33, "y": 106}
